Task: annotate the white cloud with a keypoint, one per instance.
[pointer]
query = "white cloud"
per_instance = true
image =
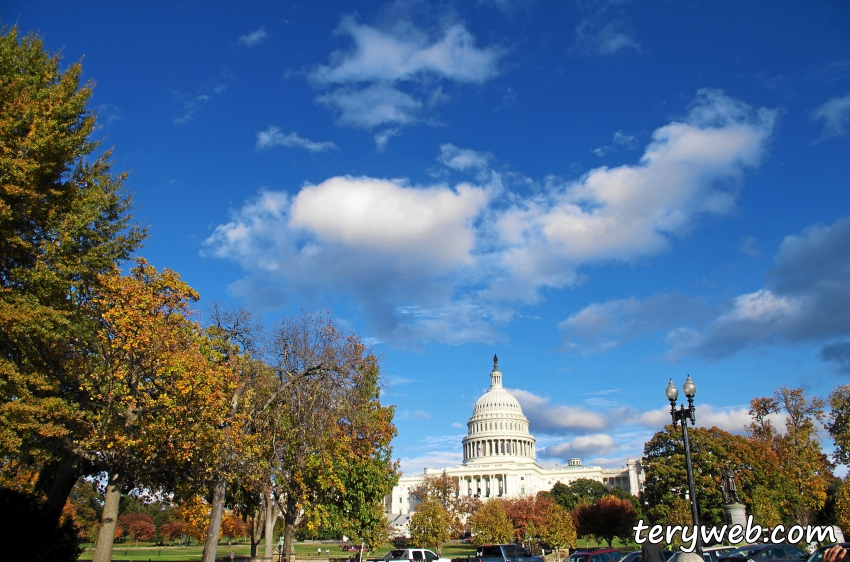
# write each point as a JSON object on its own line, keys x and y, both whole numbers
{"x": 383, "y": 137}
{"x": 544, "y": 417}
{"x": 631, "y": 211}
{"x": 463, "y": 158}
{"x": 273, "y": 137}
{"x": 406, "y": 53}
{"x": 253, "y": 38}
{"x": 445, "y": 263}
{"x": 432, "y": 459}
{"x": 806, "y": 299}
{"x": 365, "y": 83}
{"x": 585, "y": 445}
{"x": 457, "y": 424}
{"x": 413, "y": 415}
{"x": 835, "y": 115}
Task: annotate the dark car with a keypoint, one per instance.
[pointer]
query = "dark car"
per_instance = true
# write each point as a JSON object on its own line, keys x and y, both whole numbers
{"x": 597, "y": 555}
{"x": 637, "y": 556}
{"x": 765, "y": 553}
{"x": 817, "y": 555}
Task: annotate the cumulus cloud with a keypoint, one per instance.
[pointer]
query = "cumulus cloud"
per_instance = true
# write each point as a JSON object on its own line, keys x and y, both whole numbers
{"x": 366, "y": 84}
{"x": 447, "y": 262}
{"x": 835, "y": 115}
{"x": 253, "y": 38}
{"x": 273, "y": 137}
{"x": 558, "y": 419}
{"x": 805, "y": 299}
{"x": 598, "y": 444}
{"x": 623, "y": 213}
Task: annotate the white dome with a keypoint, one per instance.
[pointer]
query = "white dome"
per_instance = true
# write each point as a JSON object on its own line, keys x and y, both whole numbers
{"x": 497, "y": 426}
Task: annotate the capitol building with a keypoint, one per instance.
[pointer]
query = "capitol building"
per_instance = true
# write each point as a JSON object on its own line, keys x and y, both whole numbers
{"x": 500, "y": 460}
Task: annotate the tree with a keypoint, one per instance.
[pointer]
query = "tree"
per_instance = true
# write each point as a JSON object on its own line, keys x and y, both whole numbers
{"x": 328, "y": 420}
{"x": 233, "y": 526}
{"x": 842, "y": 506}
{"x": 65, "y": 223}
{"x": 153, "y": 390}
{"x": 558, "y": 530}
{"x": 490, "y": 524}
{"x": 609, "y": 517}
{"x": 579, "y": 492}
{"x": 753, "y": 462}
{"x": 429, "y": 525}
{"x": 171, "y": 530}
{"x": 838, "y": 423}
{"x": 445, "y": 490}
{"x": 526, "y": 510}
{"x": 805, "y": 473}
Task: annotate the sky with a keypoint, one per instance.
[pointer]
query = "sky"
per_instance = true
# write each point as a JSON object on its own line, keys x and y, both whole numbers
{"x": 608, "y": 194}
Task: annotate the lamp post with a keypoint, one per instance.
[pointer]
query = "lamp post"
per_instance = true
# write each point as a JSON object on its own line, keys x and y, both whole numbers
{"x": 683, "y": 415}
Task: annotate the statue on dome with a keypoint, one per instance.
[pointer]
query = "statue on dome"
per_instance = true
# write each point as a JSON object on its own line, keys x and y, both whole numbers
{"x": 495, "y": 362}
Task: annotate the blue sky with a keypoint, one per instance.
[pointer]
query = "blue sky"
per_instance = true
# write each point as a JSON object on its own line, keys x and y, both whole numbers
{"x": 606, "y": 194}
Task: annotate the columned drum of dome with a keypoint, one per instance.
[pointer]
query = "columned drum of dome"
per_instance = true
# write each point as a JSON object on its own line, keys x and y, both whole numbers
{"x": 498, "y": 430}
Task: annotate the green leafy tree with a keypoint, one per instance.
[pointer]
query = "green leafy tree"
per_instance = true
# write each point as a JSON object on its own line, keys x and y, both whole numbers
{"x": 490, "y": 524}
{"x": 558, "y": 530}
{"x": 65, "y": 221}
{"x": 842, "y": 506}
{"x": 579, "y": 492}
{"x": 754, "y": 463}
{"x": 429, "y": 525}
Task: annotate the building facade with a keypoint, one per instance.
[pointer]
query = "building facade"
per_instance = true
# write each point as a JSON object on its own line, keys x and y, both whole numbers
{"x": 500, "y": 460}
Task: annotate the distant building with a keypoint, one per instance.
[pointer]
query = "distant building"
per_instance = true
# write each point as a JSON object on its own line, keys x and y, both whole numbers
{"x": 500, "y": 460}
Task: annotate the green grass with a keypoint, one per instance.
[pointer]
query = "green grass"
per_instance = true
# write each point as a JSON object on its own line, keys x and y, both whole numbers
{"x": 304, "y": 551}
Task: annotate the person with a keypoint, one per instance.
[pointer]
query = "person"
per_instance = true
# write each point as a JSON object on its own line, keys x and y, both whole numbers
{"x": 650, "y": 552}
{"x": 320, "y": 552}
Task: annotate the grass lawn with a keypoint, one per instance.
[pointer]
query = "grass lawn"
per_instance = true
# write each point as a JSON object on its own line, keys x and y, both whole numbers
{"x": 147, "y": 551}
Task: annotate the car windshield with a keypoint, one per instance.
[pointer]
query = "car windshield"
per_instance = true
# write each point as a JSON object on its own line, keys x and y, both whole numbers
{"x": 397, "y": 555}
{"x": 578, "y": 558}
{"x": 515, "y": 551}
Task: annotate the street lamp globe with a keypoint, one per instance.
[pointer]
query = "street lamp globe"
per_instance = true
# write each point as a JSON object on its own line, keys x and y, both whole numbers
{"x": 672, "y": 391}
{"x": 689, "y": 387}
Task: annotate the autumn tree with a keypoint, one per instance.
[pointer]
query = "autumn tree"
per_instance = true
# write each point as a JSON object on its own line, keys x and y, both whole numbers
{"x": 490, "y": 524}
{"x": 429, "y": 525}
{"x": 232, "y": 526}
{"x": 842, "y": 506}
{"x": 804, "y": 471}
{"x": 153, "y": 390}
{"x": 457, "y": 504}
{"x": 606, "y": 519}
{"x": 557, "y": 529}
{"x": 171, "y": 530}
{"x": 65, "y": 223}
{"x": 320, "y": 438}
{"x": 525, "y": 510}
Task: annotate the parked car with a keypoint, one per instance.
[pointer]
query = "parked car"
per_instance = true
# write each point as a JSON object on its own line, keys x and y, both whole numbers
{"x": 714, "y": 553}
{"x": 766, "y": 552}
{"x": 637, "y": 556}
{"x": 502, "y": 553}
{"x": 413, "y": 555}
{"x": 597, "y": 555}
{"x": 817, "y": 555}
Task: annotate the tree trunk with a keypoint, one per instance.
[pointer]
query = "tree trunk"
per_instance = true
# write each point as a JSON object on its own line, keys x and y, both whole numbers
{"x": 289, "y": 518}
{"x": 63, "y": 482}
{"x": 272, "y": 513}
{"x": 106, "y": 536}
{"x": 211, "y": 543}
{"x": 257, "y": 522}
